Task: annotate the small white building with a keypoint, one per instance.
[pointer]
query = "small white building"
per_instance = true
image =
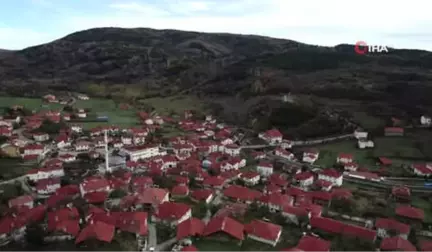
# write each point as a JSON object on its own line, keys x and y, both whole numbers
{"x": 305, "y": 179}
{"x": 82, "y": 146}
{"x": 41, "y": 137}
{"x": 141, "y": 152}
{"x": 360, "y": 134}
{"x": 364, "y": 143}
{"x": 232, "y": 149}
{"x": 310, "y": 156}
{"x": 76, "y": 128}
{"x": 332, "y": 176}
{"x": 425, "y": 120}
{"x": 265, "y": 169}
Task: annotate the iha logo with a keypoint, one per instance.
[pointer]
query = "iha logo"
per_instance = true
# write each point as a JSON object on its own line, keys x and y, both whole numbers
{"x": 362, "y": 47}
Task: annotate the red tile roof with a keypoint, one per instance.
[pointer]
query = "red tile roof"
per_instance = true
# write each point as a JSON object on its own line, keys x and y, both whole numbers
{"x": 171, "y": 210}
{"x": 241, "y": 193}
{"x": 265, "y": 230}
{"x": 397, "y": 243}
{"x": 96, "y": 197}
{"x": 385, "y": 161}
{"x": 303, "y": 176}
{"x": 410, "y": 212}
{"x": 297, "y": 211}
{"x": 392, "y": 224}
{"x": 152, "y": 196}
{"x": 201, "y": 194}
{"x": 97, "y": 230}
{"x": 68, "y": 190}
{"x": 94, "y": 184}
{"x": 277, "y": 199}
{"x": 331, "y": 173}
{"x": 20, "y": 201}
{"x": 425, "y": 245}
{"x": 132, "y": 222}
{"x": 214, "y": 181}
{"x": 311, "y": 243}
{"x": 190, "y": 227}
{"x": 180, "y": 190}
{"x": 189, "y": 248}
{"x": 401, "y": 191}
{"x": 225, "y": 225}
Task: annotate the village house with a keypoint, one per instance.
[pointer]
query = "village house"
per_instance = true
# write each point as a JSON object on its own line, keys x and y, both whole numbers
{"x": 202, "y": 195}
{"x": 332, "y": 176}
{"x": 76, "y": 128}
{"x": 48, "y": 185}
{"x": 360, "y": 134}
{"x": 410, "y": 213}
{"x": 180, "y": 191}
{"x": 5, "y": 131}
{"x": 172, "y": 212}
{"x": 232, "y": 149}
{"x": 81, "y": 113}
{"x": 250, "y": 178}
{"x": 311, "y": 243}
{"x": 136, "y": 153}
{"x": 97, "y": 230}
{"x": 50, "y": 98}
{"x": 67, "y": 158}
{"x": 190, "y": 228}
{"x": 294, "y": 213}
{"x": 385, "y": 226}
{"x": 83, "y": 97}
{"x": 34, "y": 149}
{"x": 286, "y": 144}
{"x": 82, "y": 146}
{"x": 284, "y": 154}
{"x": 425, "y": 120}
{"x": 273, "y": 136}
{"x": 52, "y": 171}
{"x": 345, "y": 158}
{"x": 310, "y": 156}
{"x": 216, "y": 182}
{"x": 424, "y": 170}
{"x": 63, "y": 224}
{"x": 351, "y": 167}
{"x": 364, "y": 143}
{"x": 401, "y": 193}
{"x": 393, "y": 131}
{"x": 126, "y": 140}
{"x": 241, "y": 194}
{"x": 264, "y": 232}
{"x": 21, "y": 201}
{"x": 275, "y": 201}
{"x": 396, "y": 243}
{"x": 265, "y": 169}
{"x": 305, "y": 179}
{"x": 40, "y": 137}
{"x": 94, "y": 184}
{"x": 224, "y": 225}
{"x": 62, "y": 141}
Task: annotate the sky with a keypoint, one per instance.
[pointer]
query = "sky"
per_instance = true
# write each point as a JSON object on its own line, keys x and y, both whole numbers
{"x": 398, "y": 24}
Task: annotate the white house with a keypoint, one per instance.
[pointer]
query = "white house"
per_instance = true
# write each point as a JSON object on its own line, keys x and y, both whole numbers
{"x": 232, "y": 149}
{"x": 272, "y": 136}
{"x": 345, "y": 158}
{"x": 332, "y": 176}
{"x": 250, "y": 178}
{"x": 265, "y": 169}
{"x": 141, "y": 152}
{"x": 41, "y": 137}
{"x": 360, "y": 134}
{"x": 34, "y": 149}
{"x": 310, "y": 156}
{"x": 82, "y": 146}
{"x": 94, "y": 184}
{"x": 364, "y": 143}
{"x": 46, "y": 172}
{"x": 24, "y": 200}
{"x": 81, "y": 113}
{"x": 425, "y": 120}
{"x": 76, "y": 128}
{"x": 126, "y": 140}
{"x": 47, "y": 186}
{"x": 284, "y": 154}
{"x": 351, "y": 167}
{"x": 67, "y": 158}
{"x": 265, "y": 232}
{"x": 304, "y": 179}
{"x": 422, "y": 169}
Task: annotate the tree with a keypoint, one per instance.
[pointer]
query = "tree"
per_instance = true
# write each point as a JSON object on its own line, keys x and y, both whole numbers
{"x": 117, "y": 194}
{"x": 200, "y": 210}
{"x": 50, "y": 127}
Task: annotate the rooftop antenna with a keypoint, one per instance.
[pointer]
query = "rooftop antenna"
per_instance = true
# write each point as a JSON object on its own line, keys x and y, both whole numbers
{"x": 107, "y": 168}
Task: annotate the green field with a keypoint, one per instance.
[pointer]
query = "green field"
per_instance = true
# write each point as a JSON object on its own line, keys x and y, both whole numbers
{"x": 425, "y": 205}
{"x": 367, "y": 121}
{"x": 29, "y": 103}
{"x": 106, "y": 107}
{"x": 401, "y": 149}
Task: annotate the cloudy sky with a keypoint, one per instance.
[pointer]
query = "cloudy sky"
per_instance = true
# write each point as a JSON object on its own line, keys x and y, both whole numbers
{"x": 400, "y": 24}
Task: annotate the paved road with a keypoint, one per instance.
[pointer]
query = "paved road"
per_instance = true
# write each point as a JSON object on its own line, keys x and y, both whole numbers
{"x": 152, "y": 236}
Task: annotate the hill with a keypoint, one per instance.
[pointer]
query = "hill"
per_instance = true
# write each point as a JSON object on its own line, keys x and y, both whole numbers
{"x": 151, "y": 62}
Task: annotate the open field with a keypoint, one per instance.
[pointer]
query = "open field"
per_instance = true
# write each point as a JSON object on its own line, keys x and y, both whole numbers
{"x": 106, "y": 107}
{"x": 401, "y": 147}
{"x": 425, "y": 205}
{"x": 174, "y": 104}
{"x": 368, "y": 122}
{"x": 29, "y": 103}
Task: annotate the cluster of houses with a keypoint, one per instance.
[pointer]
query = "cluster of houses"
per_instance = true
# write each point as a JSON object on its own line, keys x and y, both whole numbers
{"x": 206, "y": 166}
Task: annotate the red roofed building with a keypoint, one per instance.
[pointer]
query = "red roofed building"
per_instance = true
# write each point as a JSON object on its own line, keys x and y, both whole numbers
{"x": 422, "y": 170}
{"x": 132, "y": 222}
{"x": 96, "y": 197}
{"x": 265, "y": 169}
{"x": 386, "y": 225}
{"x": 393, "y": 131}
{"x": 311, "y": 243}
{"x": 189, "y": 248}
{"x": 190, "y": 228}
{"x": 152, "y": 197}
{"x": 425, "y": 245}
{"x": 202, "y": 195}
{"x": 94, "y": 184}
{"x": 396, "y": 243}
{"x": 345, "y": 158}
{"x": 20, "y": 201}
{"x": 214, "y": 182}
{"x": 180, "y": 191}
{"x": 310, "y": 156}
{"x": 96, "y": 230}
{"x": 351, "y": 166}
{"x": 34, "y": 149}
{"x": 336, "y": 227}
{"x": 47, "y": 186}
{"x": 5, "y": 131}
{"x": 385, "y": 161}
{"x": 332, "y": 176}
{"x": 284, "y": 154}
{"x": 265, "y": 232}
{"x": 305, "y": 179}
{"x": 172, "y": 212}
{"x": 241, "y": 194}
{"x": 293, "y": 213}
{"x": 272, "y": 136}
{"x": 64, "y": 223}
{"x": 250, "y": 178}
{"x": 71, "y": 190}
{"x": 401, "y": 193}
{"x": 224, "y": 225}
{"x": 410, "y": 212}
{"x": 276, "y": 201}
